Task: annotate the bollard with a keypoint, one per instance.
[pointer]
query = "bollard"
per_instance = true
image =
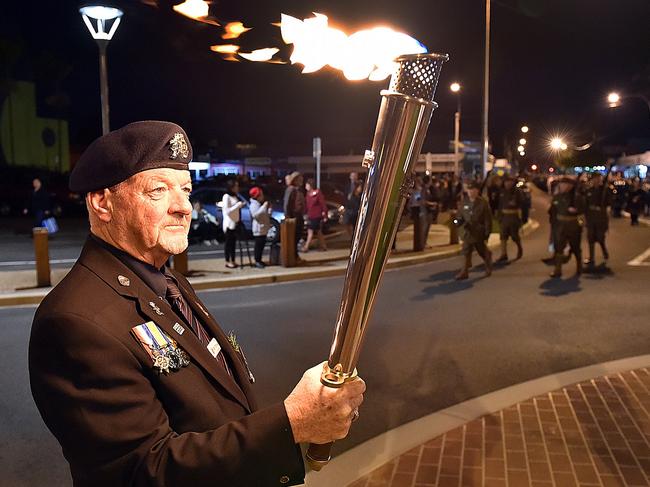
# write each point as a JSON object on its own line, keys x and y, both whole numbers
{"x": 288, "y": 242}
{"x": 453, "y": 229}
{"x": 180, "y": 263}
{"x": 42, "y": 254}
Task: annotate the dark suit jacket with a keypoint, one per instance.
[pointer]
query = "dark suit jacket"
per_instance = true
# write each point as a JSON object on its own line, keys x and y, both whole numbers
{"x": 118, "y": 421}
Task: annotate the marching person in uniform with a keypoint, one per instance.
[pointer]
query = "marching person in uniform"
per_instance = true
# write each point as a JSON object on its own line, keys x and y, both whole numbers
{"x": 566, "y": 210}
{"x": 511, "y": 204}
{"x": 475, "y": 218}
{"x": 130, "y": 371}
{"x": 598, "y": 199}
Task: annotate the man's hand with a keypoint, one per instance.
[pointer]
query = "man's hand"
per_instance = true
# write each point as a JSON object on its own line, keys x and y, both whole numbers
{"x": 320, "y": 414}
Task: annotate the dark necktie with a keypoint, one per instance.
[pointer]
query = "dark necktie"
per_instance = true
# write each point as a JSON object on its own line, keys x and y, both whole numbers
{"x": 180, "y": 304}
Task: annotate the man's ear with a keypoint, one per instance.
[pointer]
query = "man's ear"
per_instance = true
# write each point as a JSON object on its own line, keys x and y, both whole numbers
{"x": 99, "y": 204}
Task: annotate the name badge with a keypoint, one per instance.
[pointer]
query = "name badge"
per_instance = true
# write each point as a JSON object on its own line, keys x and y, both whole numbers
{"x": 214, "y": 348}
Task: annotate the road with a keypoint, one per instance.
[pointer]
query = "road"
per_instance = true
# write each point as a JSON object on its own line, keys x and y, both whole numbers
{"x": 432, "y": 341}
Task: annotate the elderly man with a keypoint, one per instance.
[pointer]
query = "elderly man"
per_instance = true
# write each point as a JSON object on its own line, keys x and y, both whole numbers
{"x": 131, "y": 372}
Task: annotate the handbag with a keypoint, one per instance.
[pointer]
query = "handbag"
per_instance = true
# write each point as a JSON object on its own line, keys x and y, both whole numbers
{"x": 51, "y": 225}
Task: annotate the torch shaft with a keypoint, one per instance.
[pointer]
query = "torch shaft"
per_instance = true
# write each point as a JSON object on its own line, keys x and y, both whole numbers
{"x": 396, "y": 145}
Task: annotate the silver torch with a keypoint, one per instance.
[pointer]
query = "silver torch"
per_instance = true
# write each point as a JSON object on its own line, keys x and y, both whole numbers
{"x": 404, "y": 116}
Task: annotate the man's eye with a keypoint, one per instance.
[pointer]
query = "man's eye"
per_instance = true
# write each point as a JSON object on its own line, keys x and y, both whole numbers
{"x": 158, "y": 190}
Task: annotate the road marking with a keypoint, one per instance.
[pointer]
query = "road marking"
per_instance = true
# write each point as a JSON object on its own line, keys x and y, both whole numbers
{"x": 640, "y": 260}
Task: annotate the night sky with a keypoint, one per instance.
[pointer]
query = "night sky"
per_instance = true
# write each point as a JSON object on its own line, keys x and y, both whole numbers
{"x": 553, "y": 62}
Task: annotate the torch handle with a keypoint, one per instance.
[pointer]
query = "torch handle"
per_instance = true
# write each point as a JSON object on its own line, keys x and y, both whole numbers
{"x": 318, "y": 456}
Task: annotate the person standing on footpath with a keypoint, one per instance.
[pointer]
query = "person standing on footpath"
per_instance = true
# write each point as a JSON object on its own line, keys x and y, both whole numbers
{"x": 231, "y": 211}
{"x": 316, "y": 215}
{"x": 352, "y": 206}
{"x": 599, "y": 198}
{"x": 476, "y": 220}
{"x": 567, "y": 206}
{"x": 40, "y": 204}
{"x": 261, "y": 222}
{"x": 131, "y": 372}
{"x": 294, "y": 205}
{"x": 511, "y": 203}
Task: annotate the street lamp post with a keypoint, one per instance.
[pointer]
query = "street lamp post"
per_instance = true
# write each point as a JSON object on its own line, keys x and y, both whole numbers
{"x": 455, "y": 88}
{"x": 102, "y": 22}
{"x": 486, "y": 90}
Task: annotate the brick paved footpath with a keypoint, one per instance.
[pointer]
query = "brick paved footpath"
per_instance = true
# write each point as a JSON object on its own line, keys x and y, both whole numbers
{"x": 594, "y": 433}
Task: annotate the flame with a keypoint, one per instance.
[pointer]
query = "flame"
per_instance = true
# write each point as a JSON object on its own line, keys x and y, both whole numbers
{"x": 225, "y": 48}
{"x": 366, "y": 54}
{"x": 234, "y": 30}
{"x": 195, "y": 9}
{"x": 260, "y": 55}
{"x": 228, "y": 51}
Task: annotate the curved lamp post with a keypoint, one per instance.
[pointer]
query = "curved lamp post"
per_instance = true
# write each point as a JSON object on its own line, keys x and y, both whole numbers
{"x": 102, "y": 22}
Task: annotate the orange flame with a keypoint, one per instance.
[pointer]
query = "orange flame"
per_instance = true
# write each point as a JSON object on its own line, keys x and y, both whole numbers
{"x": 234, "y": 30}
{"x": 366, "y": 54}
{"x": 195, "y": 9}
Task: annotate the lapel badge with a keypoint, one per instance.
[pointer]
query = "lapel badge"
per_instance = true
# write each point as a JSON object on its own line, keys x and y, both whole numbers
{"x": 178, "y": 328}
{"x": 178, "y": 146}
{"x": 123, "y": 280}
{"x": 155, "y": 308}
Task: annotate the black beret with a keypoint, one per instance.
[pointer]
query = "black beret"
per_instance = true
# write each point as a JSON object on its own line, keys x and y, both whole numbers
{"x": 137, "y": 147}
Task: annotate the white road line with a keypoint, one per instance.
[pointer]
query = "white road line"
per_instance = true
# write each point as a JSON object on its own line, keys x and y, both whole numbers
{"x": 641, "y": 260}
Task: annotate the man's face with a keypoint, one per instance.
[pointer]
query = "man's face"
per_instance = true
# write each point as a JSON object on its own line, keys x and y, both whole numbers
{"x": 152, "y": 213}
{"x": 36, "y": 183}
{"x": 473, "y": 193}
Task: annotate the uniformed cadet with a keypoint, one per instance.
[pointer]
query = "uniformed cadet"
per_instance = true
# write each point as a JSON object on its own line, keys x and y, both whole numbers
{"x": 476, "y": 220}
{"x": 511, "y": 203}
{"x": 566, "y": 210}
{"x": 598, "y": 198}
{"x": 131, "y": 372}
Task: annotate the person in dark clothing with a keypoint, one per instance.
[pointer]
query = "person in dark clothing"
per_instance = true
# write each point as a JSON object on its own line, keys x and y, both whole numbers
{"x": 352, "y": 208}
{"x": 635, "y": 202}
{"x": 476, "y": 219}
{"x": 294, "y": 205}
{"x": 566, "y": 209}
{"x": 511, "y": 203}
{"x": 598, "y": 198}
{"x": 40, "y": 204}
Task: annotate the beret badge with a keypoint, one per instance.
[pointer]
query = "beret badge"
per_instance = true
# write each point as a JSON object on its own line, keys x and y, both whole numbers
{"x": 178, "y": 146}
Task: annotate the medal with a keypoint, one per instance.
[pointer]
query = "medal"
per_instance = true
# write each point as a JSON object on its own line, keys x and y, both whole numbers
{"x": 162, "y": 363}
{"x": 166, "y": 354}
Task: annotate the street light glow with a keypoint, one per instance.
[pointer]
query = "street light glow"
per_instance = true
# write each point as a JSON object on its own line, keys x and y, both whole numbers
{"x": 563, "y": 146}
{"x": 534, "y": 167}
{"x": 521, "y": 148}
{"x": 522, "y": 141}
{"x": 557, "y": 143}
{"x": 102, "y": 16}
{"x": 522, "y": 153}
{"x": 455, "y": 87}
{"x": 524, "y": 129}
{"x": 613, "y": 99}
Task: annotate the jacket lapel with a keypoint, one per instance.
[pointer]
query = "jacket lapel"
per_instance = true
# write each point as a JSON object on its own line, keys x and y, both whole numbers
{"x": 112, "y": 271}
{"x": 239, "y": 370}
